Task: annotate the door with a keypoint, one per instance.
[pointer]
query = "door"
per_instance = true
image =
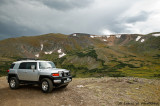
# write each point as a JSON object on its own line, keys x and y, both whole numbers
{"x": 22, "y": 71}
{"x": 32, "y": 74}
{"x": 26, "y": 73}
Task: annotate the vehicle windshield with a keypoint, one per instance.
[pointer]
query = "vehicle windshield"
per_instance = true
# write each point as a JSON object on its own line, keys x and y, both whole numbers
{"x": 46, "y": 65}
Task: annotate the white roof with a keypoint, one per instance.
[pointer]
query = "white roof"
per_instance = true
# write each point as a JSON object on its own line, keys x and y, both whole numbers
{"x": 31, "y": 61}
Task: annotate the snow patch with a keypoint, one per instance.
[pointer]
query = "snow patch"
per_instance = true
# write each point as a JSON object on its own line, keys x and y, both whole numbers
{"x": 108, "y": 36}
{"x": 37, "y": 55}
{"x": 142, "y": 40}
{"x": 61, "y": 55}
{"x": 98, "y": 36}
{"x": 74, "y": 34}
{"x": 41, "y": 47}
{"x": 118, "y": 36}
{"x": 138, "y": 38}
{"x": 104, "y": 40}
{"x": 59, "y": 51}
{"x": 92, "y": 36}
{"x": 156, "y": 35}
{"x": 48, "y": 52}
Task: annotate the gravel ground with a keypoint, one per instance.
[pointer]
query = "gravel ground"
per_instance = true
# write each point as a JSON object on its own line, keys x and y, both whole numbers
{"x": 86, "y": 92}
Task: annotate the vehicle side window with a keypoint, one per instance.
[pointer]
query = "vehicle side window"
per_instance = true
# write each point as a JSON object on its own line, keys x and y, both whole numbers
{"x": 12, "y": 65}
{"x": 23, "y": 65}
{"x": 29, "y": 64}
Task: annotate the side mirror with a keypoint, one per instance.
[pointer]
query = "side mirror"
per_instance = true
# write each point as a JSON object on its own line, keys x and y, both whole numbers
{"x": 33, "y": 67}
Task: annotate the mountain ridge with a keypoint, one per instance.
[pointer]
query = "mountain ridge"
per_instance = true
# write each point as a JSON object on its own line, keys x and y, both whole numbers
{"x": 89, "y": 55}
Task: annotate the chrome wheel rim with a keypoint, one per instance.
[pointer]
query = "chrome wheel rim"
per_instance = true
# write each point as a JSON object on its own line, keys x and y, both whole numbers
{"x": 45, "y": 85}
{"x": 12, "y": 83}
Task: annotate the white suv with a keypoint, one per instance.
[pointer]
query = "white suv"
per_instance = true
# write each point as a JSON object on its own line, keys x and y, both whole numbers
{"x": 40, "y": 72}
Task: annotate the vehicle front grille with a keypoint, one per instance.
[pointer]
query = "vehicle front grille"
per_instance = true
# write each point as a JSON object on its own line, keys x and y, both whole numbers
{"x": 65, "y": 74}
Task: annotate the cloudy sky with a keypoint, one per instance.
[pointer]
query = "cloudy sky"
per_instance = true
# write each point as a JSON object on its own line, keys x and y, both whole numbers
{"x": 35, "y": 17}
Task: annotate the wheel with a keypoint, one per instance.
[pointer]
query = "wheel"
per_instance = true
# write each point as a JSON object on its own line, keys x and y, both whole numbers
{"x": 13, "y": 83}
{"x": 64, "y": 86}
{"x": 46, "y": 85}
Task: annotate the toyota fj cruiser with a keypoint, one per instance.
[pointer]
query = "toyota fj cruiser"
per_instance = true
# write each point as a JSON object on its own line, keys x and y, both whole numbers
{"x": 44, "y": 73}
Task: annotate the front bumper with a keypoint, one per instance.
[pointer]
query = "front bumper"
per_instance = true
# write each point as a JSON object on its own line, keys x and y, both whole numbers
{"x": 62, "y": 80}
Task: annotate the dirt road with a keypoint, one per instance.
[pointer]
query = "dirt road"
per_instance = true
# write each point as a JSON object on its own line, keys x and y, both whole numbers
{"x": 86, "y": 92}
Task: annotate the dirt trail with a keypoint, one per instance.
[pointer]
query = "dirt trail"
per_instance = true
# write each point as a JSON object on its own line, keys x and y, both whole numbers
{"x": 86, "y": 92}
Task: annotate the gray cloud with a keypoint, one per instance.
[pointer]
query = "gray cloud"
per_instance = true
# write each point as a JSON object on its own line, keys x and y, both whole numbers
{"x": 2, "y": 2}
{"x": 119, "y": 26}
{"x": 11, "y": 29}
{"x": 66, "y": 4}
{"x": 35, "y": 17}
{"x": 142, "y": 16}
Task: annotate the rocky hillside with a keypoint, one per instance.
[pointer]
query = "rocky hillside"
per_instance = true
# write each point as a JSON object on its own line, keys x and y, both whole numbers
{"x": 89, "y": 55}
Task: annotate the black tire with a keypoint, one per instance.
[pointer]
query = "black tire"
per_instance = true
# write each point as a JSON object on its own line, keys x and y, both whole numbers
{"x": 13, "y": 83}
{"x": 46, "y": 85}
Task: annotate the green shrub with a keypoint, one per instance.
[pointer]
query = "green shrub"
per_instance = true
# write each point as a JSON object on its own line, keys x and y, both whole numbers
{"x": 3, "y": 73}
{"x": 116, "y": 74}
{"x": 156, "y": 75}
{"x": 91, "y": 53}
